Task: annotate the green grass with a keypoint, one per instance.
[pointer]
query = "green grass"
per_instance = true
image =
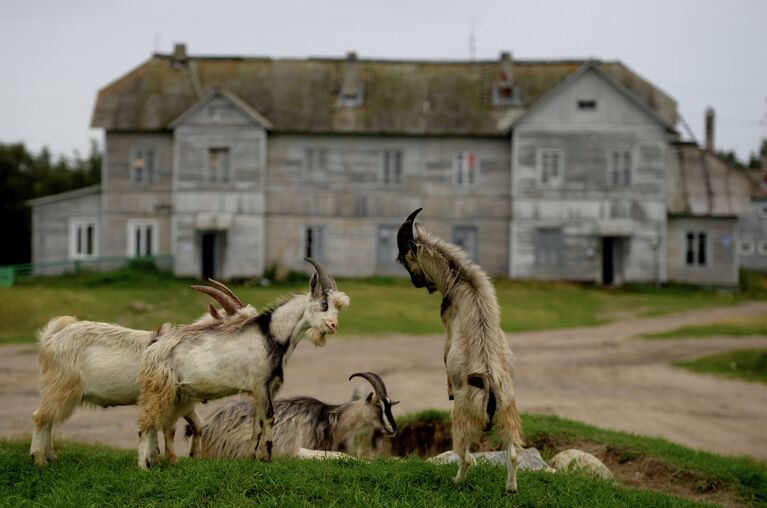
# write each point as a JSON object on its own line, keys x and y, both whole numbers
{"x": 93, "y": 476}
{"x": 147, "y": 298}
{"x": 737, "y": 328}
{"x": 748, "y": 364}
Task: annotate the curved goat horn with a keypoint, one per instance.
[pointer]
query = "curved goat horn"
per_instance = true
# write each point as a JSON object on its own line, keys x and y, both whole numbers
{"x": 411, "y": 218}
{"x": 375, "y": 380}
{"x": 326, "y": 281}
{"x": 227, "y": 302}
{"x": 225, "y": 289}
{"x": 407, "y": 233}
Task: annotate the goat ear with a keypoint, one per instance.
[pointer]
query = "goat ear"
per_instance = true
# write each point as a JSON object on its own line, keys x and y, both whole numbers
{"x": 369, "y": 397}
{"x": 394, "y": 402}
{"x": 313, "y": 286}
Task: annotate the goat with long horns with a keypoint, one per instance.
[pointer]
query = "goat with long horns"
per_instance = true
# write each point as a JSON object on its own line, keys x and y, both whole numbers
{"x": 478, "y": 358}
{"x": 301, "y": 422}
{"x": 240, "y": 350}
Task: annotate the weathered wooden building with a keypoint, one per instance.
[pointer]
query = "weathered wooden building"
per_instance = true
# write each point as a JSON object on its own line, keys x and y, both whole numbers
{"x": 539, "y": 169}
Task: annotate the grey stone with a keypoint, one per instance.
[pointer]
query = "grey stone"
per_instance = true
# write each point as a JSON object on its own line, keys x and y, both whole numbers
{"x": 529, "y": 460}
{"x": 577, "y": 460}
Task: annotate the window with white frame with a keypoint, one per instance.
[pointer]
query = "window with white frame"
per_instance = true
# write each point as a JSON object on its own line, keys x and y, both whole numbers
{"x": 83, "y": 238}
{"x": 218, "y": 164}
{"x": 315, "y": 164}
{"x": 551, "y": 167}
{"x": 466, "y": 168}
{"x": 142, "y": 238}
{"x": 761, "y": 248}
{"x": 762, "y": 211}
{"x": 696, "y": 252}
{"x": 386, "y": 244}
{"x": 143, "y": 164}
{"x": 548, "y": 246}
{"x": 746, "y": 248}
{"x": 467, "y": 238}
{"x": 314, "y": 242}
{"x": 619, "y": 168}
{"x": 392, "y": 167}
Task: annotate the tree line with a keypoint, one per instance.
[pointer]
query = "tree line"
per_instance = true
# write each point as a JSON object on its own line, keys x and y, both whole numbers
{"x": 25, "y": 175}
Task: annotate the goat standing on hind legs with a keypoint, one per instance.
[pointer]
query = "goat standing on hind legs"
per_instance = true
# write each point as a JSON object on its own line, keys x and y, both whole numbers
{"x": 478, "y": 358}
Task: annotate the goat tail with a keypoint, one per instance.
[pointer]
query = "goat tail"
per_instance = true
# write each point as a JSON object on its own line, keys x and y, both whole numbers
{"x": 54, "y": 326}
{"x": 484, "y": 382}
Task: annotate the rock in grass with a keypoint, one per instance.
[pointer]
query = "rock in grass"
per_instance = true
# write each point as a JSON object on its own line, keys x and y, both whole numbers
{"x": 529, "y": 460}
{"x": 305, "y": 453}
{"x": 580, "y": 461}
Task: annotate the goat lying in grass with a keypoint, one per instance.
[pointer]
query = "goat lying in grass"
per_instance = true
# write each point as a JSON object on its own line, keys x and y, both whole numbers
{"x": 83, "y": 362}
{"x": 244, "y": 351}
{"x": 300, "y": 422}
{"x": 478, "y": 358}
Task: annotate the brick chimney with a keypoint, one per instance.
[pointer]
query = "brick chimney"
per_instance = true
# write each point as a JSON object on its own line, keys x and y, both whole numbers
{"x": 179, "y": 53}
{"x": 710, "y": 129}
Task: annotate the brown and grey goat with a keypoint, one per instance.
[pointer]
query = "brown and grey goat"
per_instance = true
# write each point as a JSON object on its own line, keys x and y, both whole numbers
{"x": 244, "y": 351}
{"x": 301, "y": 422}
{"x": 478, "y": 358}
{"x": 84, "y": 362}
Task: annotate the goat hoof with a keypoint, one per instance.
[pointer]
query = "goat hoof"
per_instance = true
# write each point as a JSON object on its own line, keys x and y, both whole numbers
{"x": 39, "y": 458}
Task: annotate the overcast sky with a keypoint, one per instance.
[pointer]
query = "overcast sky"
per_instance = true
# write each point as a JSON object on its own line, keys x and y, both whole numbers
{"x": 56, "y": 54}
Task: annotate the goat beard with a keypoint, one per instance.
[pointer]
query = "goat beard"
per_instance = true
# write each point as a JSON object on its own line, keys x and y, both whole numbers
{"x": 317, "y": 338}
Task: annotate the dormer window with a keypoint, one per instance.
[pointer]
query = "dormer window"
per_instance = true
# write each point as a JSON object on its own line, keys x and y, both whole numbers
{"x": 587, "y": 105}
{"x": 351, "y": 99}
{"x": 504, "y": 94}
{"x": 352, "y": 92}
{"x": 504, "y": 91}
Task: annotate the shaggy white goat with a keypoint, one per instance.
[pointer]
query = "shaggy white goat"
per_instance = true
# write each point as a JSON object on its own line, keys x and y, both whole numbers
{"x": 245, "y": 351}
{"x": 84, "y": 362}
{"x": 478, "y": 358}
{"x": 300, "y": 422}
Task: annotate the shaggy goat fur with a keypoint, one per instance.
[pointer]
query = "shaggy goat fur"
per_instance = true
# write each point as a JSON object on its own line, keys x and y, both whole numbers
{"x": 478, "y": 358}
{"x": 244, "y": 351}
{"x": 300, "y": 422}
{"x": 84, "y": 362}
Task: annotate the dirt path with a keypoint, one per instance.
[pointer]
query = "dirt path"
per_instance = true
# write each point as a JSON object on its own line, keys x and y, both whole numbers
{"x": 598, "y": 375}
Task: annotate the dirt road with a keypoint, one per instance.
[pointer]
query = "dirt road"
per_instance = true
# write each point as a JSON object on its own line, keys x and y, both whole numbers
{"x": 600, "y": 375}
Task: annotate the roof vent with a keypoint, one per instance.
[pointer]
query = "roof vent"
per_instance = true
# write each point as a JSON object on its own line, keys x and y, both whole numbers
{"x": 504, "y": 91}
{"x": 179, "y": 53}
{"x": 352, "y": 92}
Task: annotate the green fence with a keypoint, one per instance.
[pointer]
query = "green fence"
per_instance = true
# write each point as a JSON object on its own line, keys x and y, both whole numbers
{"x": 9, "y": 273}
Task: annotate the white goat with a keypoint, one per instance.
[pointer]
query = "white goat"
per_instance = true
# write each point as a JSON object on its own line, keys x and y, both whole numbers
{"x": 245, "y": 351}
{"x": 84, "y": 362}
{"x": 478, "y": 358}
{"x": 300, "y": 422}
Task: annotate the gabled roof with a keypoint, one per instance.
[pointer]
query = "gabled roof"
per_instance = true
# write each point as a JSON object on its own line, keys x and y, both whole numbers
{"x": 300, "y": 95}
{"x": 218, "y": 92}
{"x": 594, "y": 66}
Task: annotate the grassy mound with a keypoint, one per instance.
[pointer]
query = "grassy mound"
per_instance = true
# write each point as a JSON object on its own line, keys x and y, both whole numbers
{"x": 92, "y": 476}
{"x": 748, "y": 364}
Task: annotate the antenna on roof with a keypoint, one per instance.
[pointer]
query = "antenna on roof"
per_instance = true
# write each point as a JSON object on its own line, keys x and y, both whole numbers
{"x": 472, "y": 38}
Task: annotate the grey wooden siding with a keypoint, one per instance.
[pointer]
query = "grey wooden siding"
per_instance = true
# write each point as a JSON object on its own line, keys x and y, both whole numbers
{"x": 721, "y": 266}
{"x": 352, "y": 200}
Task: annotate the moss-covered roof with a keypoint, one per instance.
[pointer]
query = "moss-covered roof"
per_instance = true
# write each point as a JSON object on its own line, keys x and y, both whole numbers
{"x": 301, "y": 95}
